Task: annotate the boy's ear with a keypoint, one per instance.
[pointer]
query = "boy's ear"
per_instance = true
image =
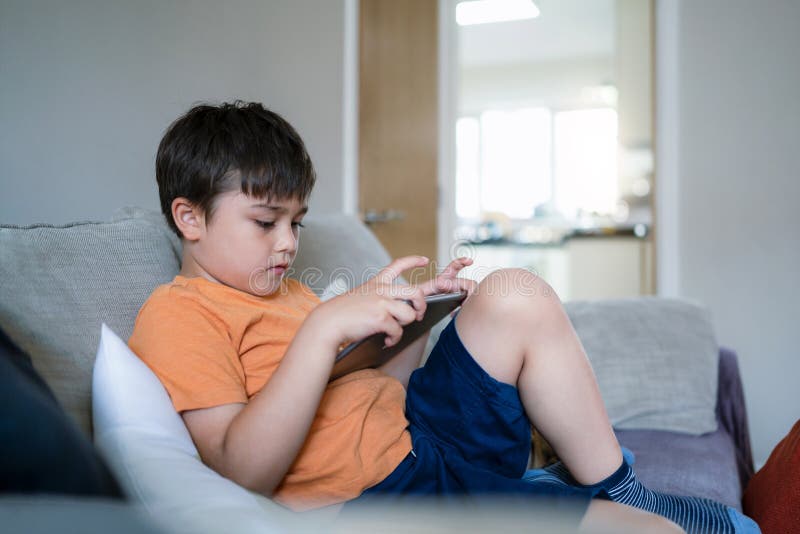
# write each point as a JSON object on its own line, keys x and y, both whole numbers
{"x": 188, "y": 218}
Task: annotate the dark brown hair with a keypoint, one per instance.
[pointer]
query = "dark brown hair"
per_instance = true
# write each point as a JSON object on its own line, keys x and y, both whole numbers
{"x": 216, "y": 149}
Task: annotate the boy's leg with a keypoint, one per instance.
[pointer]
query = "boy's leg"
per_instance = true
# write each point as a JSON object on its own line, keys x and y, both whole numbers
{"x": 516, "y": 329}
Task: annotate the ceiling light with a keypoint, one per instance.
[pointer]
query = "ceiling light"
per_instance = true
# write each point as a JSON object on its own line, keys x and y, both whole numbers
{"x": 486, "y": 11}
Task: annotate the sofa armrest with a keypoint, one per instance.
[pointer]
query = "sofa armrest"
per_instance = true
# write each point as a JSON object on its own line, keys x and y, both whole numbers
{"x": 732, "y": 412}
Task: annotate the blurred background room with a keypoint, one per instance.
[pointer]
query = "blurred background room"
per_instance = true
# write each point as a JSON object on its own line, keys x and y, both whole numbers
{"x": 554, "y": 142}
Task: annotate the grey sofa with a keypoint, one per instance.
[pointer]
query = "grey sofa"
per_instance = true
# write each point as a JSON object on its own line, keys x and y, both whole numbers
{"x": 716, "y": 465}
{"x": 59, "y": 283}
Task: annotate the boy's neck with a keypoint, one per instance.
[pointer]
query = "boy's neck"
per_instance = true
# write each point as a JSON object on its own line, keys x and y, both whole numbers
{"x": 190, "y": 268}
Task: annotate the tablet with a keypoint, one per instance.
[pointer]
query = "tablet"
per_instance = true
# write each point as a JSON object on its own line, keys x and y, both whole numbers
{"x": 370, "y": 352}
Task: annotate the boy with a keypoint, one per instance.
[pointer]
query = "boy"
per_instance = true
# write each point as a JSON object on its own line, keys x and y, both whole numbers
{"x": 246, "y": 354}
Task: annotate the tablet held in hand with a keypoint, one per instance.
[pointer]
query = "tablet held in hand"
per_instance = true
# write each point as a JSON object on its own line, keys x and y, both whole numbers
{"x": 370, "y": 352}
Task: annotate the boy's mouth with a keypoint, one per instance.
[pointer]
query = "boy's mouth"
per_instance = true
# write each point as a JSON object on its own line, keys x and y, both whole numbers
{"x": 279, "y": 268}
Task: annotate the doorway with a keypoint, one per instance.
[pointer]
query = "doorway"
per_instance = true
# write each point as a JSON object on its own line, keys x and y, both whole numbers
{"x": 524, "y": 143}
{"x": 547, "y": 142}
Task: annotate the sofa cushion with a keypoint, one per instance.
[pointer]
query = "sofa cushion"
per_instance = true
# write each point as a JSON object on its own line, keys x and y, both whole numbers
{"x": 656, "y": 361}
{"x": 681, "y": 464}
{"x": 59, "y": 283}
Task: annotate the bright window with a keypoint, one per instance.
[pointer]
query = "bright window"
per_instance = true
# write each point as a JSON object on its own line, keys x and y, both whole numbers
{"x": 513, "y": 161}
{"x": 468, "y": 162}
{"x": 586, "y": 161}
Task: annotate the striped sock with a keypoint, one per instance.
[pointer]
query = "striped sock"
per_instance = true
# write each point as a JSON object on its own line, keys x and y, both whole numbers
{"x": 694, "y": 514}
{"x": 691, "y": 513}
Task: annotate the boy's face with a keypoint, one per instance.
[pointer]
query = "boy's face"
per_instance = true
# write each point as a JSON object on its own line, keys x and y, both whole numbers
{"x": 248, "y": 244}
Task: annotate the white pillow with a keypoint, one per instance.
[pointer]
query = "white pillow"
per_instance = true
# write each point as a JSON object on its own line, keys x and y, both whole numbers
{"x": 155, "y": 460}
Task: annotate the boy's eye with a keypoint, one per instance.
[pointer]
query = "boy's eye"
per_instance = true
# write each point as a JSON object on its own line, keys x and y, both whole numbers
{"x": 271, "y": 224}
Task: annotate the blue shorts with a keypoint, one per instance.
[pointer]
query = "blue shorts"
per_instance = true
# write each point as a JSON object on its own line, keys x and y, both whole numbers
{"x": 470, "y": 435}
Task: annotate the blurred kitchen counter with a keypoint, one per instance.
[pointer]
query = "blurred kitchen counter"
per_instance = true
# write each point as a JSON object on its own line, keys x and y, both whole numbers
{"x": 579, "y": 263}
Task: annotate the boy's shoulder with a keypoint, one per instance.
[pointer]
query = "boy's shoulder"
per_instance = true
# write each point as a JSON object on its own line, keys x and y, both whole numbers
{"x": 172, "y": 301}
{"x": 184, "y": 294}
{"x": 192, "y": 307}
{"x": 177, "y": 292}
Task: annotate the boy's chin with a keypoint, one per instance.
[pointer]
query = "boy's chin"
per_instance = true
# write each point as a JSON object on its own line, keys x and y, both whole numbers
{"x": 264, "y": 284}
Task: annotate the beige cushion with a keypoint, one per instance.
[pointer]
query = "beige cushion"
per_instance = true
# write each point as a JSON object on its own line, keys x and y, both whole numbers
{"x": 656, "y": 361}
{"x": 58, "y": 284}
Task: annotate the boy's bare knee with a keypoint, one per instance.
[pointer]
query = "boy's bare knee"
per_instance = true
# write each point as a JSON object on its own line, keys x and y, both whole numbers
{"x": 515, "y": 291}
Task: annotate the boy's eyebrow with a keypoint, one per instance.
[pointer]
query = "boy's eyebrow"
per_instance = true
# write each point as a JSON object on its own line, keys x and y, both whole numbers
{"x": 280, "y": 209}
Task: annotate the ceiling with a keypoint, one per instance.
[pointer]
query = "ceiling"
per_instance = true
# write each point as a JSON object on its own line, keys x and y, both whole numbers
{"x": 565, "y": 29}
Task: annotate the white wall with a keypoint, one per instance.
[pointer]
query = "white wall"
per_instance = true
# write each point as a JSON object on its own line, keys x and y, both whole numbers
{"x": 633, "y": 72}
{"x": 738, "y": 201}
{"x": 87, "y": 88}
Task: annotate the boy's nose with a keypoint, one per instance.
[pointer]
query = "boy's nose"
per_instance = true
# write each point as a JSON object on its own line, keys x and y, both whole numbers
{"x": 286, "y": 242}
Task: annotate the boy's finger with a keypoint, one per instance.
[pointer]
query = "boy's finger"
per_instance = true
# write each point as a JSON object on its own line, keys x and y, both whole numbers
{"x": 393, "y": 270}
{"x": 446, "y": 285}
{"x": 393, "y": 332}
{"x": 454, "y": 285}
{"x": 456, "y": 265}
{"x": 402, "y": 312}
{"x": 428, "y": 288}
{"x": 414, "y": 295}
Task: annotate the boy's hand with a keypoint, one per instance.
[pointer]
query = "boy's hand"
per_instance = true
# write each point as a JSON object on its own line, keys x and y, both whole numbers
{"x": 447, "y": 281}
{"x": 373, "y": 307}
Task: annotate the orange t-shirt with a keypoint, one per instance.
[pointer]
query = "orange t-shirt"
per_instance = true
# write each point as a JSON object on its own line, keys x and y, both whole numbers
{"x": 210, "y": 344}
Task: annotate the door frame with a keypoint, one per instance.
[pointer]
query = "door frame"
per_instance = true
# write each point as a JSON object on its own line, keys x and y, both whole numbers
{"x": 666, "y": 216}
{"x": 448, "y": 114}
{"x": 350, "y": 109}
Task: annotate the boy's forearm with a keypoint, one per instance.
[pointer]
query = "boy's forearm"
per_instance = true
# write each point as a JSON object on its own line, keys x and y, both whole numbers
{"x": 263, "y": 440}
